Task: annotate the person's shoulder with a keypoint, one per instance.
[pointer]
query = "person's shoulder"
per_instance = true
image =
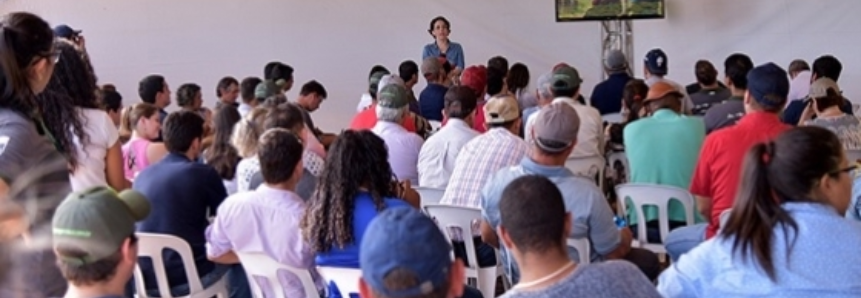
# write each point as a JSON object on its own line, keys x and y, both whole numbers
{"x": 396, "y": 203}
{"x": 616, "y": 268}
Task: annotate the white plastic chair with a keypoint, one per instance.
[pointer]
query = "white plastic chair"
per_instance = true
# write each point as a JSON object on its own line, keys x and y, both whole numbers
{"x": 455, "y": 216}
{"x": 347, "y": 279}
{"x": 658, "y": 196}
{"x": 152, "y": 245}
{"x": 622, "y": 159}
{"x": 435, "y": 125}
{"x": 430, "y": 196}
{"x": 584, "y": 249}
{"x": 261, "y": 265}
{"x": 613, "y": 118}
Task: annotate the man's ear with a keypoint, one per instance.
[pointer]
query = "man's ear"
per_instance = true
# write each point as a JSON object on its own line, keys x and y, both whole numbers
{"x": 568, "y": 221}
{"x": 504, "y": 237}
{"x": 456, "y": 278}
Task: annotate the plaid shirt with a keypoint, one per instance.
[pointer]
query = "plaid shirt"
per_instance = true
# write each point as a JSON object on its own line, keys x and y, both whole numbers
{"x": 478, "y": 160}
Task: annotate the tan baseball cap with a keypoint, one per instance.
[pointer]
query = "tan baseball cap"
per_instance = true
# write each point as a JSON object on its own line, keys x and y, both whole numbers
{"x": 500, "y": 109}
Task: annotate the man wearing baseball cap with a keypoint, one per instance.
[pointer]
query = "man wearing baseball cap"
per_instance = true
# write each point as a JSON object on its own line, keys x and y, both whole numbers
{"x": 718, "y": 169}
{"x": 367, "y": 118}
{"x": 404, "y": 254}
{"x": 607, "y": 95}
{"x": 655, "y": 69}
{"x": 392, "y": 110}
{"x": 554, "y": 137}
{"x": 663, "y": 149}
{"x": 94, "y": 240}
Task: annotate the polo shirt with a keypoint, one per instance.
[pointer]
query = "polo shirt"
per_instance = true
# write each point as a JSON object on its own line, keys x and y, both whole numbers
{"x": 724, "y": 114}
{"x": 404, "y": 148}
{"x": 663, "y": 149}
{"x": 704, "y": 99}
{"x": 607, "y": 95}
{"x": 819, "y": 259}
{"x": 180, "y": 192}
{"x": 718, "y": 171}
{"x": 438, "y": 155}
{"x": 432, "y": 101}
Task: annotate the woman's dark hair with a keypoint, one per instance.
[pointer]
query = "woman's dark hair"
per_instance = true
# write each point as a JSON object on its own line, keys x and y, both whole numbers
{"x": 186, "y": 93}
{"x": 633, "y": 94}
{"x": 357, "y": 159}
{"x": 24, "y": 38}
{"x": 221, "y": 155}
{"x": 436, "y": 19}
{"x": 784, "y": 170}
{"x": 376, "y": 69}
{"x": 518, "y": 77}
{"x": 495, "y": 81}
{"x": 833, "y": 98}
{"x": 72, "y": 86}
{"x": 225, "y": 83}
{"x": 112, "y": 100}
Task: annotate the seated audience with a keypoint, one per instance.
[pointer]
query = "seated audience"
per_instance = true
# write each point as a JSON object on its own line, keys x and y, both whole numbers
{"x": 367, "y": 99}
{"x": 536, "y": 232}
{"x": 190, "y": 98}
{"x": 355, "y": 186}
{"x": 438, "y": 155}
{"x": 182, "y": 194}
{"x": 408, "y": 71}
{"x": 606, "y": 95}
{"x": 554, "y": 138}
{"x": 710, "y": 92}
{"x": 475, "y": 77}
{"x": 543, "y": 97}
{"x": 517, "y": 83}
{"x": 786, "y": 235}
{"x": 825, "y": 102}
{"x": 221, "y": 155}
{"x": 823, "y": 67}
{"x": 153, "y": 90}
{"x": 367, "y": 118}
{"x": 227, "y": 91}
{"x": 247, "y": 91}
{"x": 113, "y": 104}
{"x": 717, "y": 174}
{"x": 244, "y": 138}
{"x": 632, "y": 109}
{"x": 94, "y": 240}
{"x": 727, "y": 113}
{"x": 655, "y": 69}
{"x": 404, "y": 147}
{"x": 142, "y": 125}
{"x": 311, "y": 96}
{"x": 267, "y": 219}
{"x": 799, "y": 80}
{"x": 431, "y": 99}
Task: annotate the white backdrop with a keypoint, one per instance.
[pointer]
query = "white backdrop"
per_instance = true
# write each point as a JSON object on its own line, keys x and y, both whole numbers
{"x": 337, "y": 41}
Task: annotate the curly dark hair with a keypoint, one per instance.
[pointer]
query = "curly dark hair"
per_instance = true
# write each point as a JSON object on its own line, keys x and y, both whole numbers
{"x": 72, "y": 86}
{"x": 357, "y": 160}
{"x": 221, "y": 155}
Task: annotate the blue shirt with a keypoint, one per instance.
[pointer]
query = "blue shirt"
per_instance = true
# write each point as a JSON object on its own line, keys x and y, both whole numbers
{"x": 590, "y": 213}
{"x": 365, "y": 211}
{"x": 454, "y": 55}
{"x": 823, "y": 262}
{"x": 854, "y": 210}
{"x": 182, "y": 193}
{"x": 432, "y": 101}
{"x": 607, "y": 95}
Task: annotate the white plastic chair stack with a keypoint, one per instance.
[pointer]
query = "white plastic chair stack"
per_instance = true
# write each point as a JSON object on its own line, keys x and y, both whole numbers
{"x": 152, "y": 246}
{"x": 430, "y": 196}
{"x": 347, "y": 279}
{"x": 658, "y": 196}
{"x": 584, "y": 249}
{"x": 455, "y": 216}
{"x": 261, "y": 265}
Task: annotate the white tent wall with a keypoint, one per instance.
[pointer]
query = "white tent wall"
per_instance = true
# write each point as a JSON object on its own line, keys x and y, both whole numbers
{"x": 337, "y": 41}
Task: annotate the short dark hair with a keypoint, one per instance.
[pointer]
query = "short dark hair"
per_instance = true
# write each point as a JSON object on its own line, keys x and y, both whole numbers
{"x": 247, "y": 88}
{"x": 313, "y": 87}
{"x": 436, "y": 19}
{"x": 407, "y": 70}
{"x": 518, "y": 77}
{"x": 88, "y": 274}
{"x": 705, "y": 72}
{"x": 538, "y": 224}
{"x": 460, "y": 102}
{"x": 499, "y": 63}
{"x": 827, "y": 67}
{"x": 287, "y": 116}
{"x": 736, "y": 67}
{"x": 112, "y": 100}
{"x": 279, "y": 71}
{"x": 376, "y": 69}
{"x": 495, "y": 80}
{"x": 279, "y": 151}
{"x": 225, "y": 83}
{"x": 181, "y": 129}
{"x": 798, "y": 65}
{"x": 149, "y": 87}
{"x": 186, "y": 93}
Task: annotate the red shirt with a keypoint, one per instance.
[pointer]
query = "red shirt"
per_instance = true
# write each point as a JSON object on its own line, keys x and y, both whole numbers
{"x": 368, "y": 118}
{"x": 718, "y": 170}
{"x": 478, "y": 124}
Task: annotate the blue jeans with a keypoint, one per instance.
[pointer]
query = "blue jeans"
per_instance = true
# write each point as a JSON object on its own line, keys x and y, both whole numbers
{"x": 683, "y": 239}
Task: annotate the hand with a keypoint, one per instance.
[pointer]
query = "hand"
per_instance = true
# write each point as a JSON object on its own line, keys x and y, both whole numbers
{"x": 808, "y": 113}
{"x": 406, "y": 192}
{"x": 81, "y": 42}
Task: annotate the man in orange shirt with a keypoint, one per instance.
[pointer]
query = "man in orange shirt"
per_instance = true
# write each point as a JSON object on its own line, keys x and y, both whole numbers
{"x": 367, "y": 118}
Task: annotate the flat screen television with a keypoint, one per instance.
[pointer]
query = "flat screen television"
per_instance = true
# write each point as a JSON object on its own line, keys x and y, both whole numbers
{"x": 601, "y": 10}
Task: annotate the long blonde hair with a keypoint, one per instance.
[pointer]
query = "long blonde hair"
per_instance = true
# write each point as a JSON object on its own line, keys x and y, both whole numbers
{"x": 247, "y": 132}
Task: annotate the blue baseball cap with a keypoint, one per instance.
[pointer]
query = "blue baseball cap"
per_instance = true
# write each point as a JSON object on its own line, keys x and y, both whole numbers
{"x": 402, "y": 238}
{"x": 65, "y": 31}
{"x": 656, "y": 62}
{"x": 768, "y": 84}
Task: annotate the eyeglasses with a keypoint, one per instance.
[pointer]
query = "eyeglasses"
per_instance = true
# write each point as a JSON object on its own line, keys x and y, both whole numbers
{"x": 851, "y": 170}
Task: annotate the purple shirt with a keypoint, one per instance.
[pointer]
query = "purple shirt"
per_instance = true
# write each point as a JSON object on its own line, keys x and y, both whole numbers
{"x": 265, "y": 220}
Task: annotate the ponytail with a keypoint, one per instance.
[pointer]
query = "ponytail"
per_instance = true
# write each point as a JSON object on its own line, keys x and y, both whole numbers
{"x": 126, "y": 129}
{"x": 131, "y": 115}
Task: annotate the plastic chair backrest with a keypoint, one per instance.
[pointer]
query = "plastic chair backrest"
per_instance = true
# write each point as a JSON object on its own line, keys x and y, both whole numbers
{"x": 430, "y": 196}
{"x": 261, "y": 265}
{"x": 447, "y": 216}
{"x": 152, "y": 245}
{"x": 347, "y": 279}
{"x": 584, "y": 248}
{"x": 658, "y": 196}
{"x": 622, "y": 159}
{"x": 613, "y": 118}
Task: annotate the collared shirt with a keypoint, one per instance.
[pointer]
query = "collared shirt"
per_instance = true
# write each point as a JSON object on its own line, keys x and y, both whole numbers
{"x": 718, "y": 169}
{"x": 265, "y": 220}
{"x": 244, "y": 108}
{"x": 724, "y": 114}
{"x": 819, "y": 259}
{"x": 704, "y": 99}
{"x": 454, "y": 54}
{"x": 607, "y": 95}
{"x": 590, "y": 137}
{"x": 799, "y": 87}
{"x": 367, "y": 118}
{"x": 591, "y": 215}
{"x": 663, "y": 149}
{"x": 404, "y": 148}
{"x": 432, "y": 101}
{"x": 687, "y": 104}
{"x": 484, "y": 155}
{"x": 439, "y": 153}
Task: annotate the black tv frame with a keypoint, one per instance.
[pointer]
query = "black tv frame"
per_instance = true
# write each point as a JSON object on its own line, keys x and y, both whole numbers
{"x": 662, "y": 15}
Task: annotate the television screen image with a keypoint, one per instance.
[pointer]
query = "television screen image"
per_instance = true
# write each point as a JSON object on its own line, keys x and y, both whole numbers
{"x": 599, "y": 10}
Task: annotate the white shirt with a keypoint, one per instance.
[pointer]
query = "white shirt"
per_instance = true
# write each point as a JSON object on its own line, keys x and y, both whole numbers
{"x": 244, "y": 108}
{"x": 91, "y": 156}
{"x": 687, "y": 103}
{"x": 364, "y": 102}
{"x": 404, "y": 148}
{"x": 799, "y": 87}
{"x": 437, "y": 157}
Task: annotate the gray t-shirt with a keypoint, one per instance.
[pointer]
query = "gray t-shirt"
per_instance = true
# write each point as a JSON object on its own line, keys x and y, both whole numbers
{"x": 609, "y": 279}
{"x": 704, "y": 99}
{"x": 724, "y": 114}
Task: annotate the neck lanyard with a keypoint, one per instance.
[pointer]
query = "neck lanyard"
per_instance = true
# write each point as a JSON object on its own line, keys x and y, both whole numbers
{"x": 545, "y": 278}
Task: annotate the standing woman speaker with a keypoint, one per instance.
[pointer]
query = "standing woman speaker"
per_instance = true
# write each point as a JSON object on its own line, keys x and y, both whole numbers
{"x": 442, "y": 47}
{"x": 34, "y": 176}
